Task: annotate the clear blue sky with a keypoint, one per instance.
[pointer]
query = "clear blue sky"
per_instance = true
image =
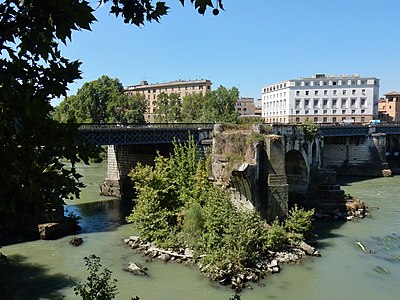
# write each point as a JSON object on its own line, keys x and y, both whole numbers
{"x": 249, "y": 45}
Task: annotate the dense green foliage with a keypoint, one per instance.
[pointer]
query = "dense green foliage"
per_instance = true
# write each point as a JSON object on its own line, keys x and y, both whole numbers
{"x": 102, "y": 101}
{"x": 217, "y": 106}
{"x": 33, "y": 71}
{"x": 168, "y": 108}
{"x": 98, "y": 285}
{"x": 177, "y": 206}
{"x": 309, "y": 129}
{"x": 211, "y": 107}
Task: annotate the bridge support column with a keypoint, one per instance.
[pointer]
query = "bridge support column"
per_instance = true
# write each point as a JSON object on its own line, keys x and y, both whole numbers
{"x": 277, "y": 186}
{"x": 121, "y": 160}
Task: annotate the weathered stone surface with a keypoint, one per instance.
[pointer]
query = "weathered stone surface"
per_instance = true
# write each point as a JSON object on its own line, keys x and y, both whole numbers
{"x": 76, "y": 241}
{"x": 54, "y": 230}
{"x": 136, "y": 269}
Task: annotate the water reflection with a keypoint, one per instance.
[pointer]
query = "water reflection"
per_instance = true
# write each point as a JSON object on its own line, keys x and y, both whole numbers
{"x": 101, "y": 216}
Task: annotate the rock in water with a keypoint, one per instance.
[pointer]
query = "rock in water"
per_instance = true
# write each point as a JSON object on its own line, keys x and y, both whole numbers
{"x": 76, "y": 241}
{"x": 135, "y": 269}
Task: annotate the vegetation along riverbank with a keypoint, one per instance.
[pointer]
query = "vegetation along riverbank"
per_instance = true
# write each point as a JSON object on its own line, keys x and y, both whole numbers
{"x": 179, "y": 210}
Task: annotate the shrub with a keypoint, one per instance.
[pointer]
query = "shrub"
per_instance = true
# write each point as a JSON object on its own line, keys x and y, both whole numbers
{"x": 298, "y": 224}
{"x": 98, "y": 285}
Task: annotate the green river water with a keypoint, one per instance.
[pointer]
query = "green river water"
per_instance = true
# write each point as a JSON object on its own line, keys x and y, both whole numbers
{"x": 45, "y": 269}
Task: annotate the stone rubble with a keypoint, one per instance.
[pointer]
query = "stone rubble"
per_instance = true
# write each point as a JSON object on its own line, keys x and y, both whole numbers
{"x": 237, "y": 281}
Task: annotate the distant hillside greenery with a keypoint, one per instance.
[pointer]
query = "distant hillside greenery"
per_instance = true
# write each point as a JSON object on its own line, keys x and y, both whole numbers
{"x": 102, "y": 101}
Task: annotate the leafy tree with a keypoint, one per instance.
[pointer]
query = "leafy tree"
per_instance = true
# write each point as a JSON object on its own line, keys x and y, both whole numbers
{"x": 100, "y": 101}
{"x": 309, "y": 129}
{"x": 168, "y": 108}
{"x": 222, "y": 105}
{"x": 33, "y": 71}
{"x": 192, "y": 107}
{"x": 98, "y": 285}
{"x": 211, "y": 107}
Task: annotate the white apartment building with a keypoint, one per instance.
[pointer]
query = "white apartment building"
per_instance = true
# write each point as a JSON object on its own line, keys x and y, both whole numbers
{"x": 321, "y": 98}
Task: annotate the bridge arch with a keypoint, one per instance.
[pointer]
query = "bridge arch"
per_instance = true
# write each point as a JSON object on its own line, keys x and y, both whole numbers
{"x": 297, "y": 173}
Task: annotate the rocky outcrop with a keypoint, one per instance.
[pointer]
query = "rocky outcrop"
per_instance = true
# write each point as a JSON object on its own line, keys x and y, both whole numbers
{"x": 229, "y": 276}
{"x": 55, "y": 230}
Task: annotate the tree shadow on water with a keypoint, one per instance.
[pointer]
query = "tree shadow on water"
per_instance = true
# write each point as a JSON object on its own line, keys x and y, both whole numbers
{"x": 21, "y": 280}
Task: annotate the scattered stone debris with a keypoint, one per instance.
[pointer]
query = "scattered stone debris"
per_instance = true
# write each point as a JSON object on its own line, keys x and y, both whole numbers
{"x": 228, "y": 277}
{"x": 136, "y": 269}
{"x": 76, "y": 241}
{"x": 355, "y": 208}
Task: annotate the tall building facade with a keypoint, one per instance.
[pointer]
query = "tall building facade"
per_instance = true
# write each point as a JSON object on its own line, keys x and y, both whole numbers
{"x": 180, "y": 87}
{"x": 389, "y": 107}
{"x": 245, "y": 106}
{"x": 321, "y": 98}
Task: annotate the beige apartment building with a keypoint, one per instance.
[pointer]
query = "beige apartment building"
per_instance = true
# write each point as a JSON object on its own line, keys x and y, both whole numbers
{"x": 180, "y": 87}
{"x": 389, "y": 107}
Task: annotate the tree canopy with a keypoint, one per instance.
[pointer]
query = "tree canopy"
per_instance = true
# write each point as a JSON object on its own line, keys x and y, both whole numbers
{"x": 211, "y": 107}
{"x": 102, "y": 101}
{"x": 33, "y": 71}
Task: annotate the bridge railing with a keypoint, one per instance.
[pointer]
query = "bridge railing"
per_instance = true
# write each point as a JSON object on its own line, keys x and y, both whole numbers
{"x": 119, "y": 126}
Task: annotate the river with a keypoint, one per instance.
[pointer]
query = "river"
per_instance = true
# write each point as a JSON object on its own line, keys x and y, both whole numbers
{"x": 45, "y": 269}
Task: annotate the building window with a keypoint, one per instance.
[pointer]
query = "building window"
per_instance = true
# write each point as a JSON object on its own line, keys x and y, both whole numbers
{"x": 306, "y": 103}
{"x": 297, "y": 120}
{"x": 344, "y": 92}
{"x": 325, "y": 83}
{"x": 362, "y": 119}
{"x": 325, "y": 92}
{"x": 363, "y": 111}
{"x": 315, "y": 111}
{"x": 334, "y": 92}
{"x": 315, "y": 119}
{"x": 316, "y": 102}
{"x": 353, "y": 92}
{"x": 334, "y": 119}
{"x": 353, "y": 102}
{"x": 297, "y": 93}
{"x": 297, "y": 103}
{"x": 353, "y": 111}
{"x": 363, "y": 91}
{"x": 344, "y": 103}
{"x": 307, "y": 93}
{"x": 325, "y": 103}
{"x": 325, "y": 120}
{"x": 363, "y": 101}
{"x": 334, "y": 111}
{"x": 325, "y": 111}
{"x": 200, "y": 87}
{"x": 343, "y": 111}
{"x": 334, "y": 82}
{"x": 297, "y": 112}
{"x": 306, "y": 112}
{"x": 306, "y": 83}
{"x": 334, "y": 103}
